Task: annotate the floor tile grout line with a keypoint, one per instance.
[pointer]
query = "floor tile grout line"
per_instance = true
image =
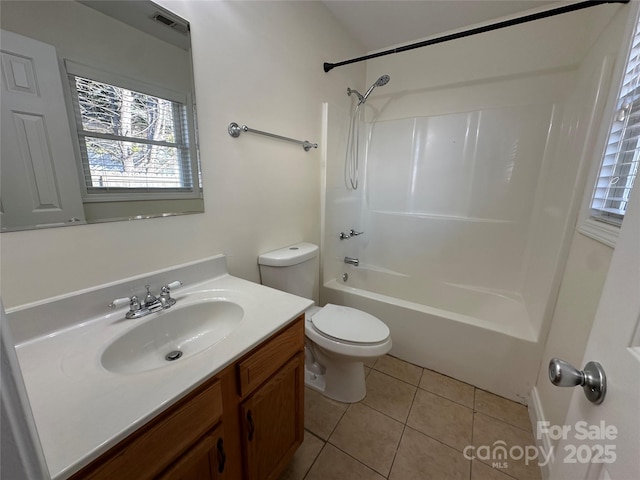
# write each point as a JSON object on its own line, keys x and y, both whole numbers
{"x": 386, "y": 414}
{"x": 339, "y": 420}
{"x": 395, "y": 455}
{"x": 431, "y": 370}
{"x": 502, "y": 421}
{"x": 404, "y": 428}
{"x": 397, "y": 378}
{"x": 318, "y": 437}
{"x": 359, "y": 461}
{"x": 405, "y": 425}
{"x": 306, "y": 474}
{"x": 446, "y": 398}
{"x": 425, "y": 389}
{"x": 435, "y": 439}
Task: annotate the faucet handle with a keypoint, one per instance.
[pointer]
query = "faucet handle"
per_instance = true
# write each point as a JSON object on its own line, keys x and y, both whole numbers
{"x": 353, "y": 233}
{"x": 165, "y": 297}
{"x": 133, "y": 302}
{"x": 174, "y": 285}
{"x": 119, "y": 302}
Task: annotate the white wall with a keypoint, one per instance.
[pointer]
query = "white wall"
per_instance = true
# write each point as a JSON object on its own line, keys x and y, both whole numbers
{"x": 258, "y": 63}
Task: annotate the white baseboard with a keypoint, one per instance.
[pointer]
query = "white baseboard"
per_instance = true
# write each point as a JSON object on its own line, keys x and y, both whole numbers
{"x": 543, "y": 441}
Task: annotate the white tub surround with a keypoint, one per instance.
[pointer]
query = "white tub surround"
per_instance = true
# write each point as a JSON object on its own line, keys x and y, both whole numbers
{"x": 470, "y": 183}
{"x": 80, "y": 408}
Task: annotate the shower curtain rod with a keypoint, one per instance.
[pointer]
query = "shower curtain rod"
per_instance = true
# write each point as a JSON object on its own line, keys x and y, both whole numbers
{"x": 474, "y": 31}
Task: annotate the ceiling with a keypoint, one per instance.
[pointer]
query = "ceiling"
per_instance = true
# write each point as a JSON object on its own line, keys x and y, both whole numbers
{"x": 380, "y": 24}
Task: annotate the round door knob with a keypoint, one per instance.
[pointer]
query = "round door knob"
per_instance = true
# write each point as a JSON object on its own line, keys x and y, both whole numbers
{"x": 563, "y": 374}
{"x": 592, "y": 379}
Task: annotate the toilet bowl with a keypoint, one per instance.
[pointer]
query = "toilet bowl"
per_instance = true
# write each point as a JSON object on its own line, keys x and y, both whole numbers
{"x": 338, "y": 341}
{"x": 338, "y": 338}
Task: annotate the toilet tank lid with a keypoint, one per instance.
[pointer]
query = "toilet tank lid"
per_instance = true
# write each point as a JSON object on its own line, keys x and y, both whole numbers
{"x": 291, "y": 255}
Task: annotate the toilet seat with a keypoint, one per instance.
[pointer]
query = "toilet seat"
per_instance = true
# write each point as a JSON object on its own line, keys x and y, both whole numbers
{"x": 349, "y": 325}
{"x": 343, "y": 346}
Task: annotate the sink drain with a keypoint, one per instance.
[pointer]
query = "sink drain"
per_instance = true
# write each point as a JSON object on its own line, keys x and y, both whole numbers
{"x": 171, "y": 356}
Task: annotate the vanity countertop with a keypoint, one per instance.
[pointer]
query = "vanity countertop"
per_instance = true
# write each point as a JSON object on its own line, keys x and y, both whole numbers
{"x": 81, "y": 409}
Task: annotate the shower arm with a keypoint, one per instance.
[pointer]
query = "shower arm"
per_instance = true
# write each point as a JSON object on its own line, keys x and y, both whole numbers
{"x": 357, "y": 93}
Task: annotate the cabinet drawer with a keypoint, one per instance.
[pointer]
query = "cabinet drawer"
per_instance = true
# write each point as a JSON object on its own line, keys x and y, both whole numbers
{"x": 268, "y": 358}
{"x": 148, "y": 451}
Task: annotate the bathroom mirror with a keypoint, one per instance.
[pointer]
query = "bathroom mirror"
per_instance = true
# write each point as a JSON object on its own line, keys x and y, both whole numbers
{"x": 98, "y": 114}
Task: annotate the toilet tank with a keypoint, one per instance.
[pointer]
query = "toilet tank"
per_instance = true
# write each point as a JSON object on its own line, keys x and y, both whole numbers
{"x": 293, "y": 269}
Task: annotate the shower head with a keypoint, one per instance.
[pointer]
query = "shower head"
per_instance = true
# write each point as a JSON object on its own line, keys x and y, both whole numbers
{"x": 383, "y": 80}
{"x": 380, "y": 82}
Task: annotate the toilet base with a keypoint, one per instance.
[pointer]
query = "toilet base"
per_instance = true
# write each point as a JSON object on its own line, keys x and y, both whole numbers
{"x": 314, "y": 381}
{"x": 346, "y": 383}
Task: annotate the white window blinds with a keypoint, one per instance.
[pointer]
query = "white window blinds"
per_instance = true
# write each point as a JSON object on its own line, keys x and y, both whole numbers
{"x": 622, "y": 154}
{"x": 131, "y": 141}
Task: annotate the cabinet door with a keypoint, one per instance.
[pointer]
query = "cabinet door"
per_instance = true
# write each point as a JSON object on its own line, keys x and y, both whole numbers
{"x": 204, "y": 461}
{"x": 273, "y": 421}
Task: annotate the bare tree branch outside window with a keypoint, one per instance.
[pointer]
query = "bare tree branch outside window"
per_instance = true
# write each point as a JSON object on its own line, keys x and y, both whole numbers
{"x": 131, "y": 139}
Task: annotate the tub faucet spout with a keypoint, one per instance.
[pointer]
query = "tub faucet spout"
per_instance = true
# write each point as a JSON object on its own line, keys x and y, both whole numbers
{"x": 352, "y": 261}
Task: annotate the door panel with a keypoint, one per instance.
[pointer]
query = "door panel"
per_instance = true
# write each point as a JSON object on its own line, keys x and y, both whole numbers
{"x": 40, "y": 184}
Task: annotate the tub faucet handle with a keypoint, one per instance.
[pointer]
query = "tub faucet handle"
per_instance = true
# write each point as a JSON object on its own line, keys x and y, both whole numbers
{"x": 344, "y": 236}
{"x": 353, "y": 233}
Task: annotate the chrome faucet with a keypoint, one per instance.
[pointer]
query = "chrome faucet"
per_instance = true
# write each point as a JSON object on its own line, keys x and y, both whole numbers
{"x": 150, "y": 304}
{"x": 352, "y": 261}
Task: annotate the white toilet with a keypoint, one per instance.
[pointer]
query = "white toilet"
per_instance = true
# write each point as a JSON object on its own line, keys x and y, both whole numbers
{"x": 338, "y": 338}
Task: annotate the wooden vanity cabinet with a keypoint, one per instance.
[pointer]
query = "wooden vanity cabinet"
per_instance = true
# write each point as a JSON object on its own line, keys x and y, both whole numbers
{"x": 271, "y": 388}
{"x": 245, "y": 423}
{"x": 271, "y": 431}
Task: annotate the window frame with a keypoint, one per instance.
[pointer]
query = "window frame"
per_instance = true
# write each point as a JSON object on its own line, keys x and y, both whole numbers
{"x": 601, "y": 230}
{"x": 96, "y": 194}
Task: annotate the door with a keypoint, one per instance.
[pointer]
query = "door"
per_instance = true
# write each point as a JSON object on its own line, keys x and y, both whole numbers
{"x": 603, "y": 441}
{"x": 40, "y": 184}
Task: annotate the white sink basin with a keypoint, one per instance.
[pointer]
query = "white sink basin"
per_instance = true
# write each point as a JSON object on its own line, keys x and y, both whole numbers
{"x": 180, "y": 331}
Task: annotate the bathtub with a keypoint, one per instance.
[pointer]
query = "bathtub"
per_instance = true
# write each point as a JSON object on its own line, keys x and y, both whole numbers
{"x": 477, "y": 335}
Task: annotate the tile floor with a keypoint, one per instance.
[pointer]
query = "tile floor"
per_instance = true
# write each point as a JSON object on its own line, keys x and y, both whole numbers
{"x": 413, "y": 424}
